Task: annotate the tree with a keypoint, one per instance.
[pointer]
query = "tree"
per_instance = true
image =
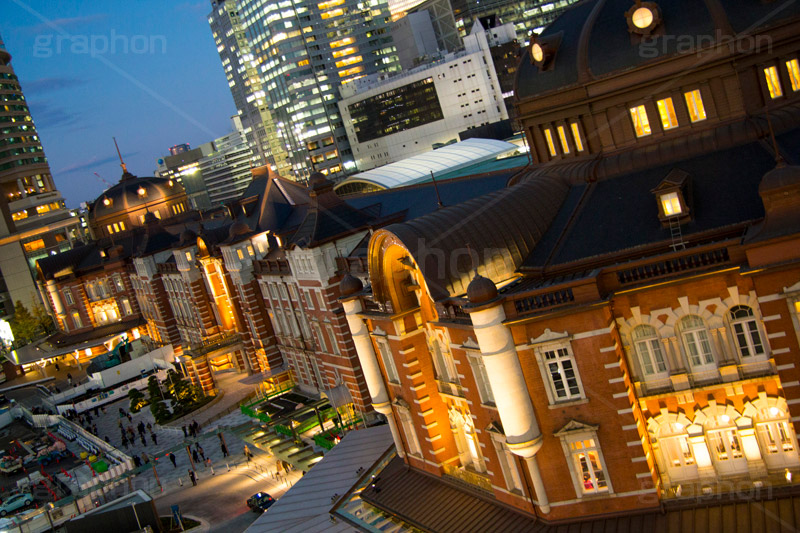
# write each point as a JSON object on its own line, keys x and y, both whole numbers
{"x": 24, "y": 325}
{"x": 153, "y": 389}
{"x": 43, "y": 319}
{"x": 137, "y": 400}
{"x": 159, "y": 410}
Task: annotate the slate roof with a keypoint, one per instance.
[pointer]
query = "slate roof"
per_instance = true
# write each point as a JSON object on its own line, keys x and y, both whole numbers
{"x": 621, "y": 213}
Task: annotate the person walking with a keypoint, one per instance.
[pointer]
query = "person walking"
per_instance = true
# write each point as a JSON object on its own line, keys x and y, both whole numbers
{"x": 194, "y": 456}
{"x": 140, "y": 427}
{"x": 201, "y": 452}
{"x": 184, "y": 431}
{"x": 192, "y": 477}
{"x": 69, "y": 378}
{"x": 247, "y": 452}
{"x": 223, "y": 449}
{"x": 154, "y": 439}
{"x": 174, "y": 461}
{"x": 144, "y": 440}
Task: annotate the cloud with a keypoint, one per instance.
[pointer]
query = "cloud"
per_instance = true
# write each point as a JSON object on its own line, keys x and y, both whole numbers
{"x": 93, "y": 162}
{"x": 46, "y": 85}
{"x": 63, "y": 23}
{"x": 46, "y": 115}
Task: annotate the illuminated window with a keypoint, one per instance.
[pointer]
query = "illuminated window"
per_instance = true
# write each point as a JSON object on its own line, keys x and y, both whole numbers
{"x": 576, "y": 136}
{"x": 332, "y": 13}
{"x": 562, "y": 136}
{"x": 694, "y": 103}
{"x": 122, "y": 225}
{"x": 240, "y": 254}
{"x": 671, "y": 204}
{"x": 34, "y": 245}
{"x": 250, "y": 250}
{"x": 773, "y": 82}
{"x": 585, "y": 462}
{"x": 551, "y": 145}
{"x": 329, "y": 4}
{"x": 76, "y": 320}
{"x": 342, "y": 42}
{"x": 648, "y": 350}
{"x": 640, "y": 122}
{"x": 794, "y": 73}
{"x": 343, "y": 52}
{"x": 348, "y": 61}
{"x": 19, "y": 215}
{"x": 348, "y": 72}
{"x": 642, "y": 17}
{"x": 302, "y": 63}
{"x": 189, "y": 256}
{"x": 116, "y": 227}
{"x": 667, "y": 113}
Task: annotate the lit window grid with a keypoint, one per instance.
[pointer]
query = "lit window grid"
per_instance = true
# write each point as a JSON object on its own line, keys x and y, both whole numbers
{"x": 694, "y": 104}
{"x": 641, "y": 124}
{"x": 551, "y": 145}
{"x": 576, "y": 136}
{"x": 562, "y": 136}
{"x": 793, "y": 67}
{"x": 666, "y": 110}
{"x": 671, "y": 204}
{"x": 773, "y": 82}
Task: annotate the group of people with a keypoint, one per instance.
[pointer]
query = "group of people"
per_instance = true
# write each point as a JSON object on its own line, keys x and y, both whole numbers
{"x": 129, "y": 436}
{"x": 192, "y": 430}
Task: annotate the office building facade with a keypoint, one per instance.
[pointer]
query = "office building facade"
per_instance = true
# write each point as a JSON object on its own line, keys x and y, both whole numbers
{"x": 34, "y": 221}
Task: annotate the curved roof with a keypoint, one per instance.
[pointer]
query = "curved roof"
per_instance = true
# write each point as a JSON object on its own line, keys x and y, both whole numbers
{"x": 125, "y": 195}
{"x": 592, "y": 39}
{"x": 501, "y": 228}
{"x": 445, "y": 159}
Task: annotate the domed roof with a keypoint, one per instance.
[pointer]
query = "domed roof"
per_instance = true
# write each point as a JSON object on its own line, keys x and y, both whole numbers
{"x": 350, "y": 285}
{"x": 132, "y": 192}
{"x": 238, "y": 229}
{"x": 481, "y": 290}
{"x": 779, "y": 177}
{"x": 594, "y": 39}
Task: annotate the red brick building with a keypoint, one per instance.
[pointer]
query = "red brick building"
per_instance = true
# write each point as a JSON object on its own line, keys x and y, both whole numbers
{"x": 618, "y": 328}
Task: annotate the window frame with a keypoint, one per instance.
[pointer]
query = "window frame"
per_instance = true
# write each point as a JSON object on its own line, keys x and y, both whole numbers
{"x": 670, "y": 116}
{"x": 793, "y": 72}
{"x": 648, "y": 342}
{"x": 384, "y": 354}
{"x": 577, "y": 136}
{"x": 68, "y": 296}
{"x": 640, "y": 121}
{"x": 772, "y": 81}
{"x": 691, "y": 99}
{"x": 550, "y": 140}
{"x": 747, "y": 334}
{"x": 582, "y": 435}
{"x": 695, "y": 332}
{"x": 550, "y": 387}
{"x": 481, "y": 377}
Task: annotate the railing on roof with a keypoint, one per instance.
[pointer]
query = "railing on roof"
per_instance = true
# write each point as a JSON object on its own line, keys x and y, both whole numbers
{"x": 677, "y": 265}
{"x": 545, "y": 300}
{"x": 453, "y": 310}
{"x": 216, "y": 342}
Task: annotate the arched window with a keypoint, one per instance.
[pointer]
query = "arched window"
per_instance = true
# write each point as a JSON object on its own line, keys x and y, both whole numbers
{"x": 776, "y": 438}
{"x": 648, "y": 349}
{"x": 695, "y": 341}
{"x": 677, "y": 452}
{"x": 725, "y": 445}
{"x": 745, "y": 333}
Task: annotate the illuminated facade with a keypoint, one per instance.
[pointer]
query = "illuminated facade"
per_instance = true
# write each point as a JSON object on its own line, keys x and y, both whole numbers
{"x": 617, "y": 331}
{"x": 287, "y": 61}
{"x": 34, "y": 221}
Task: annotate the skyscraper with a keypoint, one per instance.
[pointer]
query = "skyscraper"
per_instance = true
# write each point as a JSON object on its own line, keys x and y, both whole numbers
{"x": 33, "y": 218}
{"x": 285, "y": 63}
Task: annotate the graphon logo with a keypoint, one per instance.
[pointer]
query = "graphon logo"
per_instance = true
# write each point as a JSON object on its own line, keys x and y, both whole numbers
{"x": 49, "y": 45}
{"x": 658, "y": 45}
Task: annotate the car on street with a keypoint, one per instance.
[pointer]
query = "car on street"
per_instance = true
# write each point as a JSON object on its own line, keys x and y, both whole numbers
{"x": 14, "y": 502}
{"x": 260, "y": 502}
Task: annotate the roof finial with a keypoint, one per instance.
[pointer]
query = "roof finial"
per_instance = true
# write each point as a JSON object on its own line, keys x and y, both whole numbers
{"x": 436, "y": 188}
{"x": 121, "y": 162}
{"x": 779, "y": 161}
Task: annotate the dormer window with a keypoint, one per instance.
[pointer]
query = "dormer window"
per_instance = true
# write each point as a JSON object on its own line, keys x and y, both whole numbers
{"x": 694, "y": 104}
{"x": 542, "y": 50}
{"x": 671, "y": 195}
{"x": 671, "y": 204}
{"x": 643, "y": 17}
{"x": 793, "y": 67}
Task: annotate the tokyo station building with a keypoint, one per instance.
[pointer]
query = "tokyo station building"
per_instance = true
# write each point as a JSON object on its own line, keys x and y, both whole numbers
{"x": 615, "y": 332}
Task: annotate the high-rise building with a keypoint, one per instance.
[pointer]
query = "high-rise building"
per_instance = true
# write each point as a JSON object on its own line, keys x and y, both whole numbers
{"x": 34, "y": 221}
{"x": 226, "y": 171}
{"x": 285, "y": 65}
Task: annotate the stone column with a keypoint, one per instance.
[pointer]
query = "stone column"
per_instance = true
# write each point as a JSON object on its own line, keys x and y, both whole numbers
{"x": 504, "y": 371}
{"x": 369, "y": 365}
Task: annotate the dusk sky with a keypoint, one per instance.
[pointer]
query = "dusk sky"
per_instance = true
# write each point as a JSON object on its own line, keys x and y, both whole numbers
{"x": 146, "y": 72}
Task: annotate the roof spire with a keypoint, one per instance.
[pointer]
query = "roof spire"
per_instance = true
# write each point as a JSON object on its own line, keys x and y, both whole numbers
{"x": 779, "y": 161}
{"x": 121, "y": 162}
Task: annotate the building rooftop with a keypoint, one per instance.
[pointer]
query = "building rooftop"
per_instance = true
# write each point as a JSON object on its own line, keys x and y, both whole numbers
{"x": 444, "y": 160}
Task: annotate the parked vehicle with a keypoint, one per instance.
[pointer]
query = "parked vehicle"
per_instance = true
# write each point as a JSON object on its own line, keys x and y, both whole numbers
{"x": 14, "y": 502}
{"x": 260, "y": 502}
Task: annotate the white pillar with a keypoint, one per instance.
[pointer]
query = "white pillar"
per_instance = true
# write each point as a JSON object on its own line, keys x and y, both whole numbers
{"x": 58, "y": 307}
{"x": 511, "y": 396}
{"x": 372, "y": 371}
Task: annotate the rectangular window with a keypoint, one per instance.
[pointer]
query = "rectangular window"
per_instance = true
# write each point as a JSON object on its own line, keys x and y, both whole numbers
{"x": 332, "y": 336}
{"x": 576, "y": 136}
{"x": 793, "y": 67}
{"x": 587, "y": 464}
{"x": 560, "y": 369}
{"x": 694, "y": 104}
{"x": 773, "y": 82}
{"x": 562, "y": 136}
{"x": 412, "y": 441}
{"x": 666, "y": 111}
{"x": 508, "y": 464}
{"x": 126, "y": 307}
{"x": 641, "y": 124}
{"x": 309, "y": 300}
{"x": 551, "y": 145}
{"x": 671, "y": 204}
{"x": 76, "y": 320}
{"x": 320, "y": 338}
{"x": 272, "y": 291}
{"x": 481, "y": 379}
{"x": 118, "y": 285}
{"x": 239, "y": 254}
{"x": 68, "y": 297}
{"x": 388, "y": 362}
